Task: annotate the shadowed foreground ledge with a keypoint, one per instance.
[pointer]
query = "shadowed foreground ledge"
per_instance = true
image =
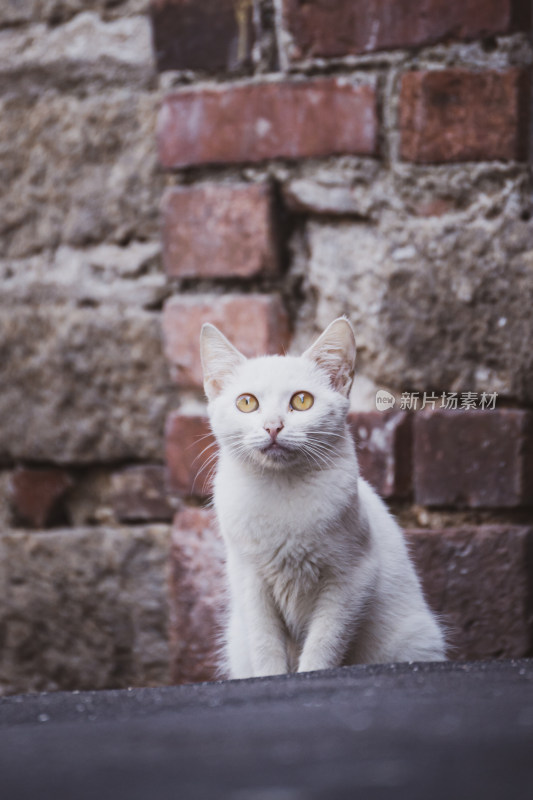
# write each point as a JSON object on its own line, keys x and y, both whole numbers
{"x": 408, "y": 731}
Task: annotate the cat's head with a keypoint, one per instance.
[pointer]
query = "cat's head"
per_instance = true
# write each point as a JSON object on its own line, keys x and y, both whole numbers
{"x": 280, "y": 411}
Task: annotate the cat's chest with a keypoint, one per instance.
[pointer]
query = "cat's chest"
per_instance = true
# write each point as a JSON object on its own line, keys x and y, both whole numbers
{"x": 272, "y": 516}
{"x": 290, "y": 533}
{"x": 289, "y": 550}
{"x": 293, "y": 573}
{"x": 286, "y": 531}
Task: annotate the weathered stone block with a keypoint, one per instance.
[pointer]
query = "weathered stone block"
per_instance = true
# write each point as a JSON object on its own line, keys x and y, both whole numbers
{"x": 459, "y": 115}
{"x": 140, "y": 494}
{"x": 348, "y": 186}
{"x": 257, "y": 324}
{"x": 219, "y": 231}
{"x": 384, "y": 450}
{"x": 84, "y": 609}
{"x": 327, "y": 28}
{"x": 15, "y": 12}
{"x": 480, "y": 581}
{"x": 86, "y": 51}
{"x": 257, "y": 121}
{"x": 205, "y": 36}
{"x": 476, "y": 458}
{"x": 366, "y": 188}
{"x": 93, "y": 161}
{"x": 190, "y": 453}
{"x": 105, "y": 495}
{"x": 198, "y": 592}
{"x": 82, "y": 385}
{"x": 128, "y": 276}
{"x": 36, "y": 495}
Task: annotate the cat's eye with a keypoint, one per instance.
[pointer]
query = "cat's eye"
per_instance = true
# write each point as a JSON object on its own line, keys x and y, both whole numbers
{"x": 302, "y": 401}
{"x": 247, "y": 403}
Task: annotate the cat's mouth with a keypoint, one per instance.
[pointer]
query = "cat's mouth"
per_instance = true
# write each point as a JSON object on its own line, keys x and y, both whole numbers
{"x": 275, "y": 454}
{"x": 275, "y": 449}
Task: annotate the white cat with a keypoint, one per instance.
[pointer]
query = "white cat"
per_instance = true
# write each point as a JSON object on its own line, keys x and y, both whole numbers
{"x": 318, "y": 571}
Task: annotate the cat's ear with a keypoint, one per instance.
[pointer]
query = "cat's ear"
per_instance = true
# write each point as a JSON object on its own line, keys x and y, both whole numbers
{"x": 334, "y": 352}
{"x": 219, "y": 359}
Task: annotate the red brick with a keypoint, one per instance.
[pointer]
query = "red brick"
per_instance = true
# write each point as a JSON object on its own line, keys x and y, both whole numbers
{"x": 140, "y": 494}
{"x": 219, "y": 231}
{"x": 256, "y": 324}
{"x": 36, "y": 495}
{"x": 329, "y": 28}
{"x": 474, "y": 458}
{"x": 190, "y": 450}
{"x": 200, "y": 36}
{"x": 384, "y": 450}
{"x": 257, "y": 121}
{"x": 197, "y": 596}
{"x": 480, "y": 581}
{"x": 458, "y": 115}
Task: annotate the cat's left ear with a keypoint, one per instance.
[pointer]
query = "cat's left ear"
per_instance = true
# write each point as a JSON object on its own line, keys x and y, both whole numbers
{"x": 219, "y": 359}
{"x": 334, "y": 352}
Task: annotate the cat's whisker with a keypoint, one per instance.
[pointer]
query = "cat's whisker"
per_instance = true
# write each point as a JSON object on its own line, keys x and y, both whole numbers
{"x": 314, "y": 451}
{"x": 326, "y": 433}
{"x": 209, "y": 463}
{"x": 318, "y": 459}
{"x": 319, "y": 436}
{"x": 326, "y": 455}
{"x": 241, "y": 451}
{"x": 205, "y": 450}
{"x": 208, "y": 481}
{"x": 235, "y": 440}
{"x": 320, "y": 443}
{"x": 322, "y": 453}
{"x": 199, "y": 438}
{"x": 311, "y": 459}
{"x": 324, "y": 460}
{"x": 324, "y": 447}
{"x": 210, "y": 460}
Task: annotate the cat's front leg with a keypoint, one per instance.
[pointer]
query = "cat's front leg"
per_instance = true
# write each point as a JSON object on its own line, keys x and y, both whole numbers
{"x": 266, "y": 631}
{"x": 334, "y": 621}
{"x": 256, "y": 638}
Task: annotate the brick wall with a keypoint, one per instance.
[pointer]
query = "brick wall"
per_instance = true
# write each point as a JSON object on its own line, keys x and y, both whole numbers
{"x": 266, "y": 166}
{"x": 368, "y": 159}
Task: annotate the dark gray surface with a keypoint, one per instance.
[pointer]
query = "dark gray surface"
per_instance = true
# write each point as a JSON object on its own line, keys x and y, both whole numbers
{"x": 402, "y": 731}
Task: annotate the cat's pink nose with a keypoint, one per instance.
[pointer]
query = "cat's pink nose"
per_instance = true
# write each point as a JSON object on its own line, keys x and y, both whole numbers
{"x": 273, "y": 429}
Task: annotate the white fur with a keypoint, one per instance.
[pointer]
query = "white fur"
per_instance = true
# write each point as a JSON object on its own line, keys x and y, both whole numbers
{"x": 318, "y": 571}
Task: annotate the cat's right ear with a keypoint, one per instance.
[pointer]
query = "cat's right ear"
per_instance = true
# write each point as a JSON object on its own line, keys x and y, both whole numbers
{"x": 219, "y": 359}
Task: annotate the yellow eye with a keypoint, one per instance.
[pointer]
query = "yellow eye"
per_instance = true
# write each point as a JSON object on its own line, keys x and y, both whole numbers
{"x": 301, "y": 401}
{"x": 247, "y": 403}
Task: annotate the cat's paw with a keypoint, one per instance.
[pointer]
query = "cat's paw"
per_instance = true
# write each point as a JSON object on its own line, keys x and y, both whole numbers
{"x": 271, "y": 668}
